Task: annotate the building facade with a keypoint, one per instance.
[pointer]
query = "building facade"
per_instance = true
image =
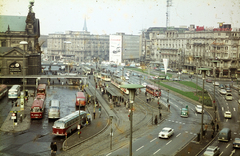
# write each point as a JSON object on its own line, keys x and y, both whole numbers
{"x": 80, "y": 46}
{"x": 13, "y": 55}
{"x": 188, "y": 49}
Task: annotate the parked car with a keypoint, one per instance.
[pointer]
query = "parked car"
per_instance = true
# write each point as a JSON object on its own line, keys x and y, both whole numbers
{"x": 166, "y": 132}
{"x": 236, "y": 143}
{"x": 176, "y": 79}
{"x": 135, "y": 74}
{"x": 127, "y": 78}
{"x": 223, "y": 91}
{"x": 212, "y": 151}
{"x": 227, "y": 114}
{"x": 216, "y": 84}
{"x": 221, "y": 86}
{"x": 199, "y": 109}
{"x": 229, "y": 96}
{"x": 209, "y": 80}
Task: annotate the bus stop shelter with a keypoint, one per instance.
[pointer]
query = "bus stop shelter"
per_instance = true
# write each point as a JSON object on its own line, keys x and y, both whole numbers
{"x": 115, "y": 97}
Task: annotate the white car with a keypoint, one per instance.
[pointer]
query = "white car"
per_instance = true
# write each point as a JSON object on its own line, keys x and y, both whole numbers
{"x": 223, "y": 91}
{"x": 216, "y": 83}
{"x": 144, "y": 84}
{"x": 166, "y": 132}
{"x": 199, "y": 109}
{"x": 126, "y": 78}
{"x": 229, "y": 96}
{"x": 227, "y": 114}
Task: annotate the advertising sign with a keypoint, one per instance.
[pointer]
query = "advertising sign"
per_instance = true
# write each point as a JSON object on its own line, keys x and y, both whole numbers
{"x": 115, "y": 49}
{"x": 165, "y": 64}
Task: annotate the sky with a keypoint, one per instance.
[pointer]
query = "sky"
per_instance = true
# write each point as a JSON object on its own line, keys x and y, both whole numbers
{"x": 127, "y": 16}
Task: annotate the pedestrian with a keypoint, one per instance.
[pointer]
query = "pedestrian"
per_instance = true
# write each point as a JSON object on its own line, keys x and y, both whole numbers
{"x": 94, "y": 114}
{"x": 156, "y": 120}
{"x": 54, "y": 149}
{"x": 212, "y": 134}
{"x": 160, "y": 116}
{"x": 99, "y": 111}
{"x": 51, "y": 146}
{"x": 217, "y": 127}
{"x": 66, "y": 82}
{"x": 62, "y": 82}
{"x": 147, "y": 99}
{"x": 53, "y": 82}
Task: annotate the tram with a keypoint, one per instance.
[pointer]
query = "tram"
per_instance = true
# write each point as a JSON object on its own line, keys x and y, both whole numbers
{"x": 42, "y": 89}
{"x": 118, "y": 82}
{"x": 154, "y": 90}
{"x": 105, "y": 77}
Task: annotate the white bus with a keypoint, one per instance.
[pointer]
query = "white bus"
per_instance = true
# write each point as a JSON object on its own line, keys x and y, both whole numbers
{"x": 54, "y": 109}
{"x": 14, "y": 92}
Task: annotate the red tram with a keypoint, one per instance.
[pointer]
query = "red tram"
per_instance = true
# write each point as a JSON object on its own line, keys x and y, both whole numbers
{"x": 80, "y": 99}
{"x": 41, "y": 89}
{"x": 154, "y": 90}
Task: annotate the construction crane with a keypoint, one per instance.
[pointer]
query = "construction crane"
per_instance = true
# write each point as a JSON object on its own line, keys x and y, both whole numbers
{"x": 169, "y": 4}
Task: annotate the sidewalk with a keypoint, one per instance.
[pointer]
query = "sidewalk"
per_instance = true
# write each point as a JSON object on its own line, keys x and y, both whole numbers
{"x": 23, "y": 125}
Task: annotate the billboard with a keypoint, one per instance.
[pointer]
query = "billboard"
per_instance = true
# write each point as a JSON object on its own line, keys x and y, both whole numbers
{"x": 115, "y": 48}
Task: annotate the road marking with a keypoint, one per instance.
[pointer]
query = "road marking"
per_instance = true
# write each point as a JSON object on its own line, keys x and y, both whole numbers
{"x": 234, "y": 109}
{"x": 221, "y": 153}
{"x": 227, "y": 103}
{"x": 234, "y": 133}
{"x": 156, "y": 151}
{"x": 191, "y": 133}
{"x": 168, "y": 142}
{"x": 176, "y": 121}
{"x": 196, "y": 114}
{"x": 222, "y": 108}
{"x": 226, "y": 120}
{"x": 153, "y": 139}
{"x": 227, "y": 145}
{"x": 139, "y": 148}
{"x": 186, "y": 131}
{"x": 232, "y": 152}
{"x": 108, "y": 154}
{"x": 178, "y": 135}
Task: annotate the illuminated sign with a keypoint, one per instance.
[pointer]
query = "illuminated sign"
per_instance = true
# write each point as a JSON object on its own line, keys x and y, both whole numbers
{"x": 222, "y": 29}
{"x": 200, "y": 28}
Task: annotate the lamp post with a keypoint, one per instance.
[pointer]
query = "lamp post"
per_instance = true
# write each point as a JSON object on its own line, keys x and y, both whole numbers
{"x": 196, "y": 73}
{"x": 111, "y": 133}
{"x": 214, "y": 74}
{"x": 132, "y": 89}
{"x": 203, "y": 77}
{"x": 24, "y": 43}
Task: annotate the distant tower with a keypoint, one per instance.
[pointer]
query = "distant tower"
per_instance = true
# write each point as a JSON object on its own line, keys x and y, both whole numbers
{"x": 85, "y": 25}
{"x": 169, "y": 3}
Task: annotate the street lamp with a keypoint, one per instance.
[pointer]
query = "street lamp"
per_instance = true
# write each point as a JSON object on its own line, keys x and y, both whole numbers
{"x": 197, "y": 57}
{"x": 203, "y": 77}
{"x": 214, "y": 73}
{"x": 132, "y": 89}
{"x": 67, "y": 42}
{"x": 24, "y": 43}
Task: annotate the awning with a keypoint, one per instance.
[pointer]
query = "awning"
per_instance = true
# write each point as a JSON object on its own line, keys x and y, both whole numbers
{"x": 113, "y": 92}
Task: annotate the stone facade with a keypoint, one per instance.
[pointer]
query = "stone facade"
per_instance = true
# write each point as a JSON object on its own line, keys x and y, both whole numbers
{"x": 189, "y": 49}
{"x": 13, "y": 30}
{"x": 78, "y": 46}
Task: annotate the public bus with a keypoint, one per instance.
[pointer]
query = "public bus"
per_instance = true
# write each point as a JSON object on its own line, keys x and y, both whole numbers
{"x": 14, "y": 92}
{"x": 70, "y": 122}
{"x": 3, "y": 90}
{"x": 80, "y": 99}
{"x": 38, "y": 107}
{"x": 54, "y": 109}
{"x": 118, "y": 82}
{"x": 184, "y": 112}
{"x": 154, "y": 90}
{"x": 42, "y": 89}
{"x": 105, "y": 77}
{"x": 87, "y": 71}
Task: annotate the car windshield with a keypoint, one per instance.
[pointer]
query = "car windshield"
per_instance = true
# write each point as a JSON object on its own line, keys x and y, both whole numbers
{"x": 164, "y": 131}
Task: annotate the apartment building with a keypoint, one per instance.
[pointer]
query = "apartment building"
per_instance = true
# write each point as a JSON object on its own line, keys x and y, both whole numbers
{"x": 191, "y": 48}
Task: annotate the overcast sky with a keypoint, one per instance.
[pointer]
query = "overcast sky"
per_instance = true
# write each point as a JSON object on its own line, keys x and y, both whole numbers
{"x": 128, "y": 16}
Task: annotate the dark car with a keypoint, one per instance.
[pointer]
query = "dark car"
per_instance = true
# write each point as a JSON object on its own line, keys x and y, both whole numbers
{"x": 209, "y": 80}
